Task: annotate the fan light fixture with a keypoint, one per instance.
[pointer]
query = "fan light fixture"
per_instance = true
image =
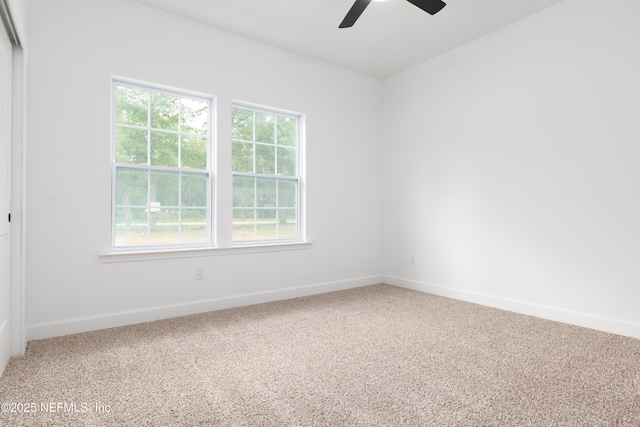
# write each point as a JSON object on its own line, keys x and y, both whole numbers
{"x": 430, "y": 6}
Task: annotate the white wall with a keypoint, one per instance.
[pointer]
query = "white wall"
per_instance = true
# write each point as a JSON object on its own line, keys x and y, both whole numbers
{"x": 512, "y": 168}
{"x": 75, "y": 46}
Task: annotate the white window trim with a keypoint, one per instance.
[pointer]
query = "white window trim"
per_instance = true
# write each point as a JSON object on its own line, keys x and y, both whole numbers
{"x": 121, "y": 254}
{"x": 175, "y": 253}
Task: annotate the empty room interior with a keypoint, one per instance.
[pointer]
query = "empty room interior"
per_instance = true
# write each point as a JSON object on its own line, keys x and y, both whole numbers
{"x": 425, "y": 217}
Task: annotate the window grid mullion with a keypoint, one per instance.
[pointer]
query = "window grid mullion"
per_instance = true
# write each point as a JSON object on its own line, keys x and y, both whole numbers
{"x": 148, "y": 207}
{"x": 253, "y": 142}
{"x": 275, "y": 143}
{"x": 277, "y": 204}
{"x": 148, "y": 128}
{"x": 179, "y": 206}
{"x": 172, "y": 132}
{"x": 148, "y": 171}
{"x": 277, "y": 171}
{"x": 161, "y": 168}
{"x": 180, "y": 173}
{"x": 180, "y": 135}
{"x": 255, "y": 180}
{"x": 255, "y": 208}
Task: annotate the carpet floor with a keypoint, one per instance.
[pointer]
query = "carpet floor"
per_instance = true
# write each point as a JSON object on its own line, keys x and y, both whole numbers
{"x": 378, "y": 355}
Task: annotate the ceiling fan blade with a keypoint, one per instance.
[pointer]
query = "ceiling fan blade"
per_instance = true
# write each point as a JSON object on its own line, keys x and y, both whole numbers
{"x": 430, "y": 6}
{"x": 354, "y": 13}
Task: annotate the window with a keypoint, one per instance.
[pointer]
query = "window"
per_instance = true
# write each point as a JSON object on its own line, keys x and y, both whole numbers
{"x": 161, "y": 167}
{"x": 163, "y": 182}
{"x": 266, "y": 175}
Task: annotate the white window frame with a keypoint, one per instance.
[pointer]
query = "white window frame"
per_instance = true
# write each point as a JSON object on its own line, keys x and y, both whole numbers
{"x": 210, "y": 213}
{"x": 299, "y": 176}
{"x": 119, "y": 254}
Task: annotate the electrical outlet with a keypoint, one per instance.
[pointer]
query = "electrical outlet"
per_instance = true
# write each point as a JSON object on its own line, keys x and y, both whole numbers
{"x": 412, "y": 259}
{"x": 199, "y": 272}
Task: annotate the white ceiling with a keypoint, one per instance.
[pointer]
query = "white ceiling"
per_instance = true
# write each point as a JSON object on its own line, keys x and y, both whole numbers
{"x": 389, "y": 37}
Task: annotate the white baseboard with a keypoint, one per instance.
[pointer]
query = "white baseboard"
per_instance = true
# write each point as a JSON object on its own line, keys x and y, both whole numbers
{"x": 587, "y": 320}
{"x": 93, "y": 323}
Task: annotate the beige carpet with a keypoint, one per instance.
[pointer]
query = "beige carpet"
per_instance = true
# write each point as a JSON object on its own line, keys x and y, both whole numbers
{"x": 378, "y": 355}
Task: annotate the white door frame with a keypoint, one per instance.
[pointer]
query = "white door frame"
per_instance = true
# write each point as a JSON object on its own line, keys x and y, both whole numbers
{"x": 18, "y": 301}
{"x": 17, "y": 230}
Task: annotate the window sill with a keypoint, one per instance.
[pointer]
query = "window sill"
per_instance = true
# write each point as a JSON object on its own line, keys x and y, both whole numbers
{"x": 150, "y": 255}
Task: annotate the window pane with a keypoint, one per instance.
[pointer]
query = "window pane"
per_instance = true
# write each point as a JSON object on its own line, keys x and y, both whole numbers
{"x": 286, "y": 131}
{"x": 195, "y": 116}
{"x": 266, "y": 224}
{"x": 242, "y": 156}
{"x": 265, "y": 151}
{"x": 164, "y": 227}
{"x": 286, "y": 161}
{"x": 243, "y": 192}
{"x": 265, "y": 127}
{"x": 266, "y": 193}
{"x": 242, "y": 124}
{"x": 265, "y": 159}
{"x": 131, "y": 187}
{"x": 131, "y": 226}
{"x": 194, "y": 190}
{"x": 164, "y": 149}
{"x": 243, "y": 224}
{"x": 132, "y": 106}
{"x": 164, "y": 111}
{"x": 287, "y": 224}
{"x": 287, "y": 193}
{"x": 164, "y": 189}
{"x": 194, "y": 152}
{"x": 161, "y": 181}
{"x": 131, "y": 146}
{"x": 194, "y": 226}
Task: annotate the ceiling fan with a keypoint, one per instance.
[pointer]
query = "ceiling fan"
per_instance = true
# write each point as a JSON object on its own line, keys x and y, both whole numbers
{"x": 430, "y": 6}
